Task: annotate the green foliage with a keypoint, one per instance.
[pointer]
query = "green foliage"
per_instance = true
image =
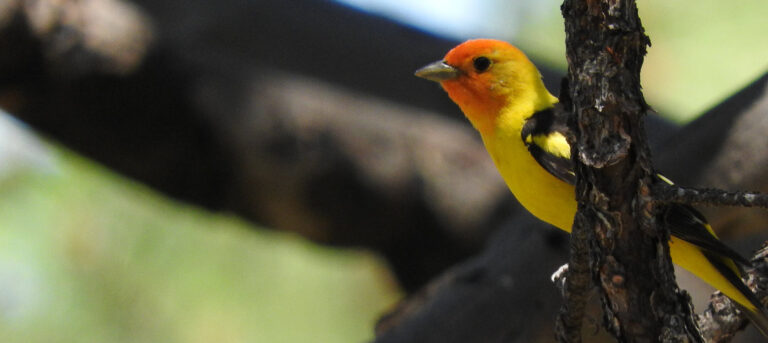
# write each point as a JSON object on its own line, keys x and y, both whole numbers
{"x": 87, "y": 256}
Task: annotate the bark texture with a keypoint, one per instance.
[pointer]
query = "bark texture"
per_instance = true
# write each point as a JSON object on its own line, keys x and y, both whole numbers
{"x": 629, "y": 257}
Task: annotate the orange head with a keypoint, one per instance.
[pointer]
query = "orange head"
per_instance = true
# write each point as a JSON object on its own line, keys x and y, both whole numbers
{"x": 485, "y": 77}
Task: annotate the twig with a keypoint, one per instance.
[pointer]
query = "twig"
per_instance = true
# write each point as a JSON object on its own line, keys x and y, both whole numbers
{"x": 708, "y": 196}
{"x": 722, "y": 318}
{"x": 576, "y": 287}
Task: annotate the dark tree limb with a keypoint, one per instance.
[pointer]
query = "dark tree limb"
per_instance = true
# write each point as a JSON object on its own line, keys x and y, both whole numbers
{"x": 495, "y": 297}
{"x": 605, "y": 46}
{"x": 209, "y": 115}
{"x": 725, "y": 149}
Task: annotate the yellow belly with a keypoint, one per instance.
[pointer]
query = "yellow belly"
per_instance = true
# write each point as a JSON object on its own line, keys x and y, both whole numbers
{"x": 541, "y": 193}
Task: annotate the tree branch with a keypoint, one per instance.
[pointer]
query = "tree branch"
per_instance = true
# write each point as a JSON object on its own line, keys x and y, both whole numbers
{"x": 726, "y": 149}
{"x": 708, "y": 196}
{"x": 720, "y": 321}
{"x": 578, "y": 283}
{"x": 228, "y": 126}
{"x": 722, "y": 318}
{"x": 605, "y": 45}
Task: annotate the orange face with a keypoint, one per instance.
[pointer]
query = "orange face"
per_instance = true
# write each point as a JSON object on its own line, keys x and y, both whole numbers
{"x": 481, "y": 76}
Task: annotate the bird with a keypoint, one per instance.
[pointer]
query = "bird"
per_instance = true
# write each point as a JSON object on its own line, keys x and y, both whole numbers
{"x": 523, "y": 127}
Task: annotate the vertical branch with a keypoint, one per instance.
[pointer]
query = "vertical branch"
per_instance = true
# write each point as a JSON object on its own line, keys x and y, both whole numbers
{"x": 629, "y": 255}
{"x": 577, "y": 285}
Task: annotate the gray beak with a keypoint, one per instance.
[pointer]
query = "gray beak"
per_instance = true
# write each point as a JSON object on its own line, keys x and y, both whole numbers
{"x": 438, "y": 72}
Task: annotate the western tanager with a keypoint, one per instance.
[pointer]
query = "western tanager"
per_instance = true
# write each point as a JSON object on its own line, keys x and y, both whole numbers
{"x": 522, "y": 126}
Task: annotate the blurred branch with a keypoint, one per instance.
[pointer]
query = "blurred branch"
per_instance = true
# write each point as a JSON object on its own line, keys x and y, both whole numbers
{"x": 727, "y": 149}
{"x": 73, "y": 38}
{"x": 211, "y": 119}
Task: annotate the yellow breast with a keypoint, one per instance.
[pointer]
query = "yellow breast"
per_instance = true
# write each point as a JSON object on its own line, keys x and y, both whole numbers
{"x": 541, "y": 193}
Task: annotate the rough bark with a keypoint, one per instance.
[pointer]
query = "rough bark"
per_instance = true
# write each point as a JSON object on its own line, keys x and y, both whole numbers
{"x": 721, "y": 320}
{"x": 629, "y": 255}
{"x": 709, "y": 197}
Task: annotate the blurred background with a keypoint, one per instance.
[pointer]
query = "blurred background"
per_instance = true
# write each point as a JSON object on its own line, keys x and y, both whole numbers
{"x": 90, "y": 255}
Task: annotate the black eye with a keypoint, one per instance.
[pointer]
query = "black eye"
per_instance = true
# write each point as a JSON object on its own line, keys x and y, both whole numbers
{"x": 481, "y": 63}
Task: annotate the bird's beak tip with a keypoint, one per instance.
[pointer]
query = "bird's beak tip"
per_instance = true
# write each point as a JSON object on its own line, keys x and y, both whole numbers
{"x": 437, "y": 71}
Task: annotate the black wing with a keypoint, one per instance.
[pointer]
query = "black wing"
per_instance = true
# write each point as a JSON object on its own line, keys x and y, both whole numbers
{"x": 684, "y": 221}
{"x": 688, "y": 224}
{"x": 543, "y": 124}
